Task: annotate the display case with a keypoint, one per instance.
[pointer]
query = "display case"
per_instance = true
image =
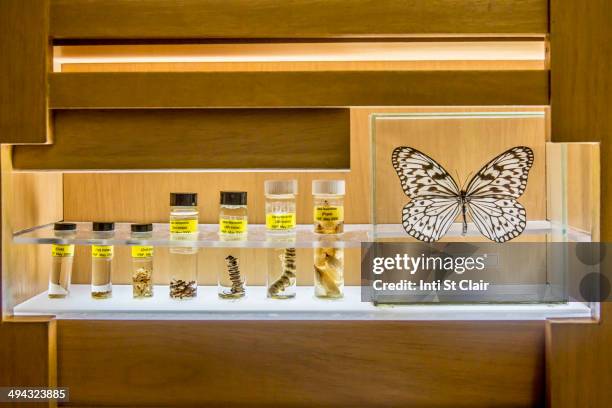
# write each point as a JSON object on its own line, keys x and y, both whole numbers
{"x": 460, "y": 141}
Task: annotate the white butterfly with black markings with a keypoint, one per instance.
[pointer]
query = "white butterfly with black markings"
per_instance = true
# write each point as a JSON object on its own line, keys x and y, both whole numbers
{"x": 490, "y": 197}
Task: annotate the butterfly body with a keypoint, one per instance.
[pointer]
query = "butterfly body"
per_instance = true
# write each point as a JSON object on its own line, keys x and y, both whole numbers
{"x": 489, "y": 198}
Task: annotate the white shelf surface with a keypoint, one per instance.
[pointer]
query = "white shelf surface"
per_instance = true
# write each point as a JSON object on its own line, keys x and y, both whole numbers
{"x": 255, "y": 306}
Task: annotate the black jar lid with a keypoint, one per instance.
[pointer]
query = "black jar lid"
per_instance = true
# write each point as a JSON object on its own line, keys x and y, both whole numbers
{"x": 103, "y": 226}
{"x": 233, "y": 198}
{"x": 183, "y": 199}
{"x": 141, "y": 227}
{"x": 64, "y": 226}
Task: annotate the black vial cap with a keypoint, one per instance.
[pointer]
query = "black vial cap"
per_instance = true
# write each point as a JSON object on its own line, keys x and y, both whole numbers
{"x": 64, "y": 226}
{"x": 183, "y": 199}
{"x": 233, "y": 198}
{"x": 141, "y": 227}
{"x": 103, "y": 226}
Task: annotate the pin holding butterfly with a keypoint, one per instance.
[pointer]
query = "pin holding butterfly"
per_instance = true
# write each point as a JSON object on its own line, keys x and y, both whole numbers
{"x": 490, "y": 197}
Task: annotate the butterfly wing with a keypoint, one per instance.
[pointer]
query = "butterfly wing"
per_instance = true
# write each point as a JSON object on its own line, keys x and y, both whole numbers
{"x": 428, "y": 219}
{"x": 491, "y": 195}
{"x": 422, "y": 176}
{"x": 435, "y": 197}
{"x": 504, "y": 176}
{"x": 499, "y": 219}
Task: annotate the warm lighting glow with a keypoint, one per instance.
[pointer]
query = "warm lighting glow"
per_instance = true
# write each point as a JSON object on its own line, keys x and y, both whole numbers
{"x": 303, "y": 52}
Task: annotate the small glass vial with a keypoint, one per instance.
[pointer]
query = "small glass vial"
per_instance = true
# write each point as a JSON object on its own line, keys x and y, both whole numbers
{"x": 233, "y": 226}
{"x": 142, "y": 262}
{"x": 328, "y": 198}
{"x": 62, "y": 260}
{"x": 184, "y": 217}
{"x": 280, "y": 206}
{"x": 102, "y": 261}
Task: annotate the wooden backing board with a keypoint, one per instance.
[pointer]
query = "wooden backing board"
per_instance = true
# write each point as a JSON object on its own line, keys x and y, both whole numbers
{"x": 302, "y": 363}
{"x": 193, "y": 139}
{"x": 296, "y": 89}
{"x": 25, "y": 52}
{"x": 28, "y": 200}
{"x": 188, "y": 19}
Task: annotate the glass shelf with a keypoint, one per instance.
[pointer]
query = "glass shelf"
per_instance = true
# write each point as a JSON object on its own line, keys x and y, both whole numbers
{"x": 257, "y": 237}
{"x": 208, "y": 236}
{"x": 255, "y": 306}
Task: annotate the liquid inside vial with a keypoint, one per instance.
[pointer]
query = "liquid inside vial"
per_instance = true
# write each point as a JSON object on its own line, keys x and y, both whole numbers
{"x": 62, "y": 257}
{"x": 282, "y": 270}
{"x": 101, "y": 270}
{"x": 329, "y": 272}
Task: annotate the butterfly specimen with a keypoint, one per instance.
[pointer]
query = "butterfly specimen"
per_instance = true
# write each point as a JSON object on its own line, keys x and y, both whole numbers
{"x": 490, "y": 197}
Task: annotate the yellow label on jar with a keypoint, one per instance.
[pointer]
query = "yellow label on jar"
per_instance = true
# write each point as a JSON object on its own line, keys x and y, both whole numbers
{"x": 230, "y": 226}
{"x": 62, "y": 250}
{"x": 329, "y": 213}
{"x": 280, "y": 221}
{"x": 139, "y": 251}
{"x": 102, "y": 251}
{"x": 183, "y": 226}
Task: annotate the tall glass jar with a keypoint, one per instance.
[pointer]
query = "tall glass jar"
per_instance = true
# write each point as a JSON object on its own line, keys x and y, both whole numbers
{"x": 184, "y": 217}
{"x": 61, "y": 262}
{"x": 233, "y": 226}
{"x": 328, "y": 198}
{"x": 102, "y": 260}
{"x": 142, "y": 262}
{"x": 280, "y": 228}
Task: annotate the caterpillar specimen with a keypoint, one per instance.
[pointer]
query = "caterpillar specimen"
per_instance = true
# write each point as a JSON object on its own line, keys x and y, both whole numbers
{"x": 287, "y": 278}
{"x": 233, "y": 269}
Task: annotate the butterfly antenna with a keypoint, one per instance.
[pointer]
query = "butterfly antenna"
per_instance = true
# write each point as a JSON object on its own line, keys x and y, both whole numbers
{"x": 458, "y": 179}
{"x": 466, "y": 179}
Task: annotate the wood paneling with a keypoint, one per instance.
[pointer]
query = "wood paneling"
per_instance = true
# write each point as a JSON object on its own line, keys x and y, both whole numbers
{"x": 296, "y": 89}
{"x": 24, "y": 63}
{"x": 28, "y": 200}
{"x": 160, "y": 19}
{"x": 578, "y": 352}
{"x": 28, "y": 351}
{"x": 194, "y": 139}
{"x": 302, "y": 363}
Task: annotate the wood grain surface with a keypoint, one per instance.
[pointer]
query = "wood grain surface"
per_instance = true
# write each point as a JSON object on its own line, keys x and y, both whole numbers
{"x": 188, "y": 19}
{"x": 25, "y": 52}
{"x": 296, "y": 89}
{"x": 193, "y": 139}
{"x": 302, "y": 363}
{"x": 28, "y": 200}
{"x": 578, "y": 352}
{"x": 28, "y": 351}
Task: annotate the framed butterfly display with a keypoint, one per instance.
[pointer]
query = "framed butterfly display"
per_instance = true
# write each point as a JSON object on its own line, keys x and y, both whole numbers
{"x": 489, "y": 199}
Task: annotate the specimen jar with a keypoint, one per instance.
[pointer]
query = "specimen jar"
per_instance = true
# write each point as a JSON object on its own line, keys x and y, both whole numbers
{"x": 61, "y": 262}
{"x": 183, "y": 259}
{"x": 142, "y": 261}
{"x": 233, "y": 226}
{"x": 102, "y": 260}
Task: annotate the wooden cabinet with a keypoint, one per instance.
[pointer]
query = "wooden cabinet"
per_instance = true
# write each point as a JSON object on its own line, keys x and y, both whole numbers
{"x": 107, "y": 130}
